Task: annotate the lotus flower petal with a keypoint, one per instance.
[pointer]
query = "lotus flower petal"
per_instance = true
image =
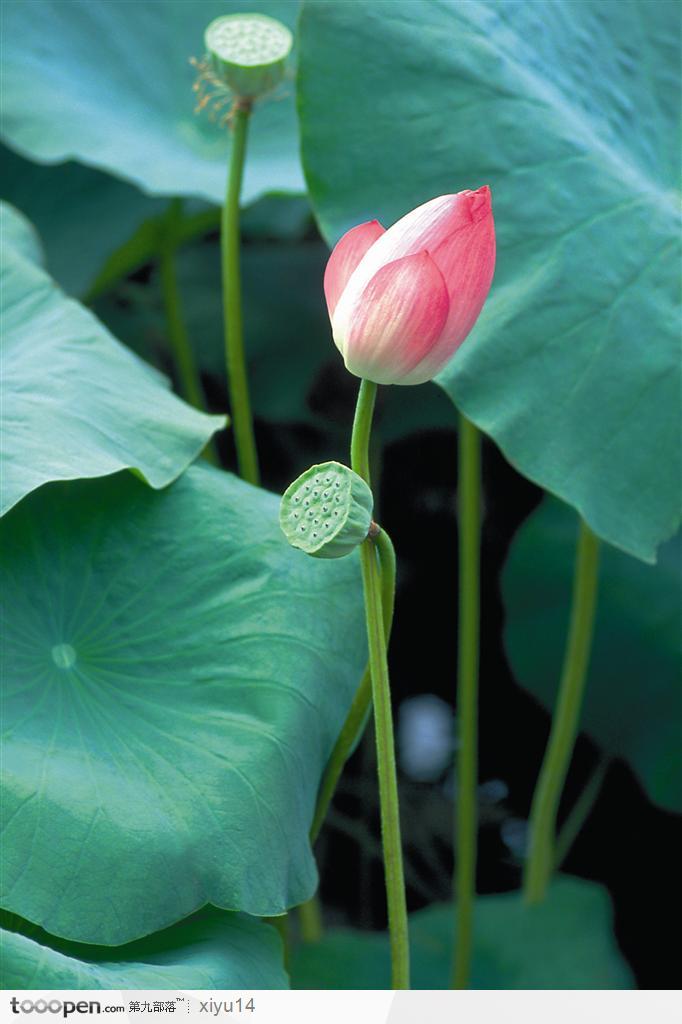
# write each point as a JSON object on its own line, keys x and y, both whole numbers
{"x": 383, "y": 319}
{"x": 345, "y": 257}
{"x": 399, "y": 316}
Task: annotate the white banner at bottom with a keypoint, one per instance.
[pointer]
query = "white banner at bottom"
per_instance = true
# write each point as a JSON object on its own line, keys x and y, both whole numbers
{"x": 340, "y": 1007}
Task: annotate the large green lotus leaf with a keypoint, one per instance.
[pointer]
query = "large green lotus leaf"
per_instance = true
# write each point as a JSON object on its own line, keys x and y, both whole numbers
{"x": 73, "y": 401}
{"x": 211, "y": 949}
{"x": 564, "y": 943}
{"x": 633, "y": 700}
{"x": 176, "y": 676}
{"x": 110, "y": 84}
{"x": 82, "y": 215}
{"x": 18, "y": 235}
{"x": 570, "y": 112}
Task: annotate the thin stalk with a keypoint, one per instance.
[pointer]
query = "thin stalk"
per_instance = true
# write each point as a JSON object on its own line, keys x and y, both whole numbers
{"x": 383, "y": 720}
{"x": 543, "y": 816}
{"x": 242, "y": 423}
{"x": 281, "y": 925}
{"x": 181, "y": 347}
{"x": 310, "y": 920}
{"x": 580, "y": 812}
{"x": 362, "y": 429}
{"x": 177, "y": 331}
{"x": 469, "y": 496}
{"x": 356, "y": 719}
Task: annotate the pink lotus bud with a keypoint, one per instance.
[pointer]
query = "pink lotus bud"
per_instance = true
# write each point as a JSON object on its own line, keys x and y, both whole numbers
{"x": 402, "y": 301}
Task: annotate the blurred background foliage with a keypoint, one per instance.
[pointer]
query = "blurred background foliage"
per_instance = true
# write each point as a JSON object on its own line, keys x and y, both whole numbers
{"x": 568, "y": 109}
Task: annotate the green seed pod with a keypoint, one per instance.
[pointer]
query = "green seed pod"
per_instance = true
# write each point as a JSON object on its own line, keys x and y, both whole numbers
{"x": 248, "y": 52}
{"x": 327, "y": 511}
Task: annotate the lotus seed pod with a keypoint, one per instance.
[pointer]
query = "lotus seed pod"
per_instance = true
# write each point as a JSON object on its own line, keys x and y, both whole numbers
{"x": 327, "y": 511}
{"x": 248, "y": 52}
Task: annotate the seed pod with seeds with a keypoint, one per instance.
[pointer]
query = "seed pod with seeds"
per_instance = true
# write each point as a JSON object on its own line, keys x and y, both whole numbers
{"x": 327, "y": 511}
{"x": 248, "y": 52}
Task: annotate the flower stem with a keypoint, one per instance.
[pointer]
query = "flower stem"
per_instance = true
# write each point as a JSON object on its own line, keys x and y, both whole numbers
{"x": 242, "y": 423}
{"x": 580, "y": 812}
{"x": 362, "y": 428}
{"x": 383, "y": 720}
{"x": 177, "y": 331}
{"x": 183, "y": 357}
{"x": 469, "y": 494}
{"x": 281, "y": 925}
{"x": 357, "y": 716}
{"x": 310, "y": 920}
{"x": 541, "y": 857}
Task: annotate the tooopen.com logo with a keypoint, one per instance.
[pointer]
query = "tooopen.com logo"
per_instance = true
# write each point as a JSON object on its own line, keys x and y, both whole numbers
{"x": 63, "y": 1008}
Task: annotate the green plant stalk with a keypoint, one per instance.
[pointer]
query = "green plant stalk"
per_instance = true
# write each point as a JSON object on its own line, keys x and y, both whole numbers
{"x": 543, "y": 816}
{"x": 580, "y": 812}
{"x": 388, "y": 785}
{"x": 177, "y": 331}
{"x": 242, "y": 423}
{"x": 356, "y": 719}
{"x": 310, "y": 920}
{"x": 469, "y": 495}
{"x": 383, "y": 720}
{"x": 183, "y": 357}
{"x": 281, "y": 926}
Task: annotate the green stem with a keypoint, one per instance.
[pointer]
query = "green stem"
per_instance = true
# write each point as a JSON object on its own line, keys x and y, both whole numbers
{"x": 469, "y": 495}
{"x": 580, "y": 812}
{"x": 242, "y": 423}
{"x": 183, "y": 357}
{"x": 362, "y": 428}
{"x": 310, "y": 920}
{"x": 356, "y": 720}
{"x": 177, "y": 332}
{"x": 281, "y": 925}
{"x": 383, "y": 720}
{"x": 543, "y": 816}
